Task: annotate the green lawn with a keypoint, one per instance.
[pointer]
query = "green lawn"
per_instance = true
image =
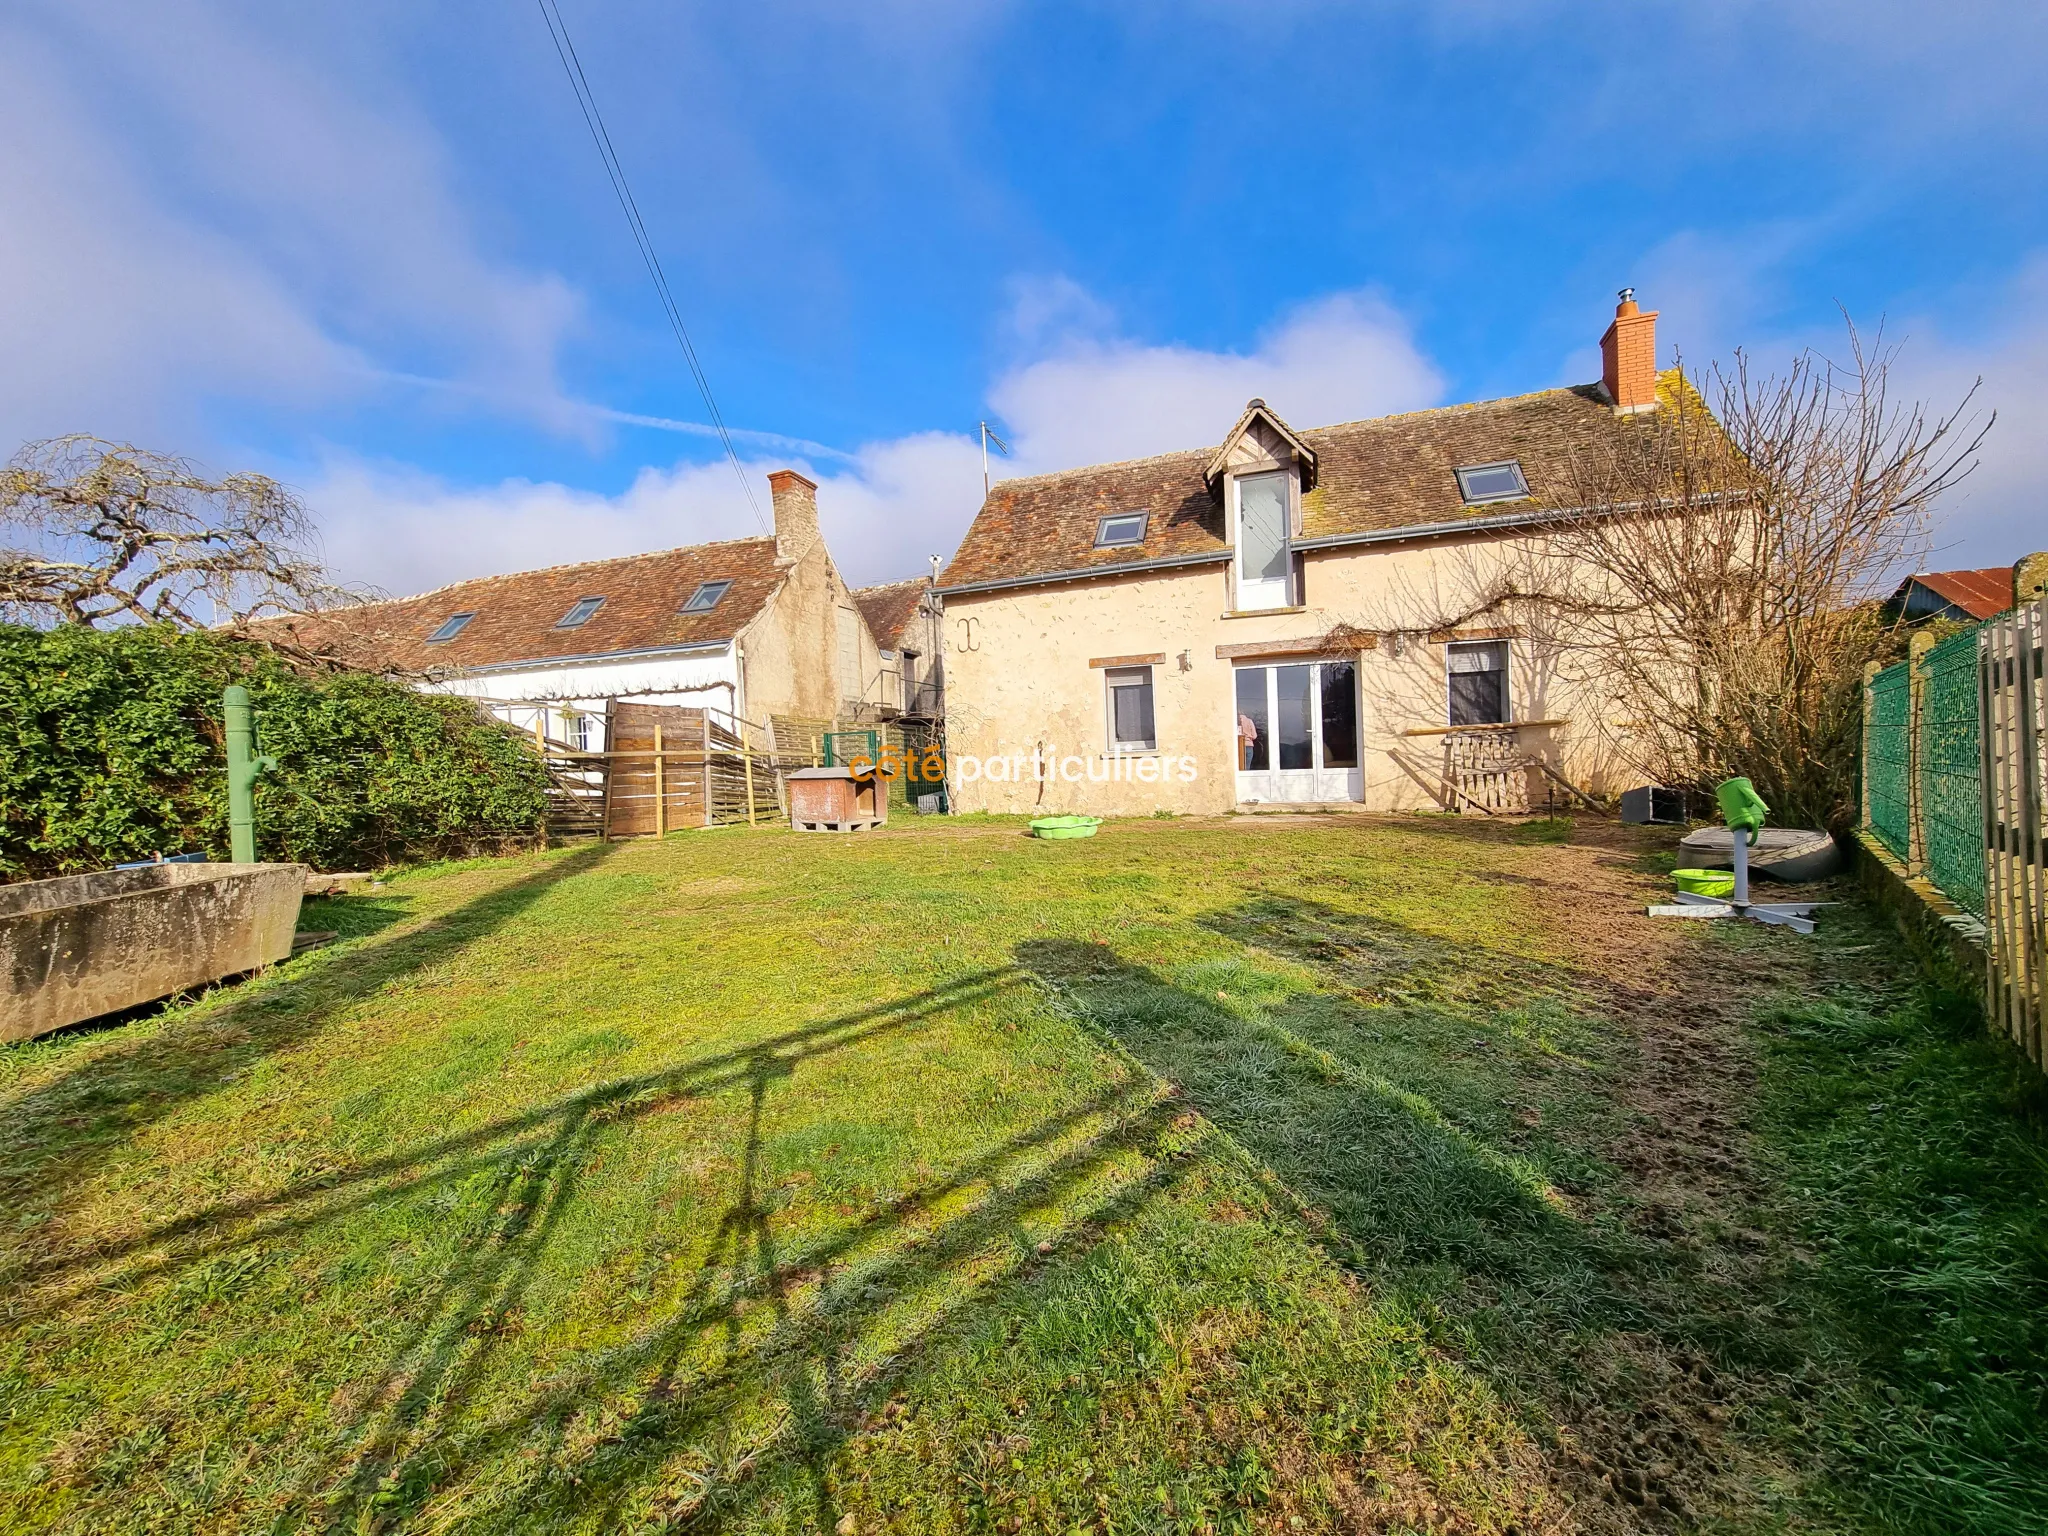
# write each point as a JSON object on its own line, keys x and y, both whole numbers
{"x": 1203, "y": 1176}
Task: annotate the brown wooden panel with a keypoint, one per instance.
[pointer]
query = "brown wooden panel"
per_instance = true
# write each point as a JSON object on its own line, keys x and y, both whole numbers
{"x": 1314, "y": 645}
{"x": 631, "y": 780}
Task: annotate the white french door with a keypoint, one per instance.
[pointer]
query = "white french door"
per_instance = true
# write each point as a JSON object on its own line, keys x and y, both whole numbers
{"x": 1297, "y": 733}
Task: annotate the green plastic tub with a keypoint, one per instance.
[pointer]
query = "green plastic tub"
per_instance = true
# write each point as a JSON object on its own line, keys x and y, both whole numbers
{"x": 1065, "y": 826}
{"x": 1705, "y": 882}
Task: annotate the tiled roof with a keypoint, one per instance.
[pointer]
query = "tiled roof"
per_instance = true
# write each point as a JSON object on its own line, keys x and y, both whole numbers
{"x": 517, "y": 616}
{"x": 1981, "y": 594}
{"x": 1393, "y": 472}
{"x": 888, "y": 608}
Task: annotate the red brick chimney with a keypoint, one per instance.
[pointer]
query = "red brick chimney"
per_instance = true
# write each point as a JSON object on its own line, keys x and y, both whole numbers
{"x": 796, "y": 513}
{"x": 1628, "y": 357}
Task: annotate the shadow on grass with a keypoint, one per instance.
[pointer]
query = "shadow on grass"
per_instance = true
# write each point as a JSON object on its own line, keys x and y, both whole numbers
{"x": 769, "y": 1356}
{"x": 759, "y": 1366}
{"x": 51, "y": 1134}
{"x": 1397, "y": 1161}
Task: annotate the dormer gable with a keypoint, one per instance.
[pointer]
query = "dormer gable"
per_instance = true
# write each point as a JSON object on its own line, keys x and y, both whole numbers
{"x": 1259, "y": 440}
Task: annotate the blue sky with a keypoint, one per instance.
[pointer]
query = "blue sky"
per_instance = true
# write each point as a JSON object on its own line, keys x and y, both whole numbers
{"x": 369, "y": 248}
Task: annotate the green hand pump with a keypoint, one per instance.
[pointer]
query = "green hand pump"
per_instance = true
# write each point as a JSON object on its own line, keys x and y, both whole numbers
{"x": 244, "y": 766}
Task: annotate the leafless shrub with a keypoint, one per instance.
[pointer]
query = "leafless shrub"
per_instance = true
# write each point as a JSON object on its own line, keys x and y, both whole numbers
{"x": 1730, "y": 564}
{"x": 1719, "y": 570}
{"x": 98, "y": 533}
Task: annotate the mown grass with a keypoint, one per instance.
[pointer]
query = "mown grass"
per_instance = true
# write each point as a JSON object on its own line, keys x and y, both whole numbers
{"x": 1194, "y": 1177}
{"x": 1913, "y": 1179}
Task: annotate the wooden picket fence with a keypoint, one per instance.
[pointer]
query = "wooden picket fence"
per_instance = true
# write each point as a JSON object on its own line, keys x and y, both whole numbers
{"x": 2013, "y": 731}
{"x": 665, "y": 768}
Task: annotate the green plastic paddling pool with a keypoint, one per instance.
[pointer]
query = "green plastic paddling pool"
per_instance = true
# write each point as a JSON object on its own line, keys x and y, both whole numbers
{"x": 1065, "y": 826}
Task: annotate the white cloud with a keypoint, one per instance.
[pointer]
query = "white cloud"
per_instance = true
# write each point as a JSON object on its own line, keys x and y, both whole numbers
{"x": 191, "y": 209}
{"x": 405, "y": 531}
{"x": 1339, "y": 359}
{"x": 900, "y": 503}
{"x": 2000, "y": 513}
{"x": 892, "y": 504}
{"x": 114, "y": 314}
{"x": 398, "y": 529}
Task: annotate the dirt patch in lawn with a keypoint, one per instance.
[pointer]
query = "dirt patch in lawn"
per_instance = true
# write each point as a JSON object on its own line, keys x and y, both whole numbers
{"x": 1650, "y": 1435}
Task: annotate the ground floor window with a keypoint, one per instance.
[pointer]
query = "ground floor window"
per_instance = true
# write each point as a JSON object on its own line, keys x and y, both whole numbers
{"x": 1477, "y": 682}
{"x": 1130, "y": 710}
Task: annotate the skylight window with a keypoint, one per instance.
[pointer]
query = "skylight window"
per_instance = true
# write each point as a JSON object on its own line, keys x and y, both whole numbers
{"x": 585, "y": 610}
{"x": 706, "y": 597}
{"x": 450, "y": 628}
{"x": 1121, "y": 529}
{"x": 1492, "y": 482}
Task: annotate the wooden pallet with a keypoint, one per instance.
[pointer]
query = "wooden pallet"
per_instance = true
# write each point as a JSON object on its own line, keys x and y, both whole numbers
{"x": 841, "y": 826}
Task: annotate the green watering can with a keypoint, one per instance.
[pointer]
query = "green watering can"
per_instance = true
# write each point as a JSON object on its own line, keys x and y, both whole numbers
{"x": 1742, "y": 807}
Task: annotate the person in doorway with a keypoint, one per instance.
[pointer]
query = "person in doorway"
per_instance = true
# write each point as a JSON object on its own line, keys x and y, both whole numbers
{"x": 1247, "y": 739}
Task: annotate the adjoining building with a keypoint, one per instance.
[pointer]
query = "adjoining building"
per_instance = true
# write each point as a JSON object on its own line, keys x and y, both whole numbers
{"x": 1236, "y": 625}
{"x": 903, "y": 617}
{"x": 744, "y": 628}
{"x": 1966, "y": 597}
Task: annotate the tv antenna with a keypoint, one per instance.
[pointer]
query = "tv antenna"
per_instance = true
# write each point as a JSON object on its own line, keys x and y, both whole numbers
{"x": 988, "y": 436}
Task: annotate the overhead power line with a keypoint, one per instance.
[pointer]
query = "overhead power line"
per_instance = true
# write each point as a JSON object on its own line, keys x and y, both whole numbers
{"x": 572, "y": 66}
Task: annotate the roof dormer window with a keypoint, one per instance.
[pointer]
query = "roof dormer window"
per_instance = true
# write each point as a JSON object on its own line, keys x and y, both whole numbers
{"x": 1481, "y": 483}
{"x": 584, "y": 611}
{"x": 1121, "y": 530}
{"x": 450, "y": 628}
{"x": 706, "y": 597}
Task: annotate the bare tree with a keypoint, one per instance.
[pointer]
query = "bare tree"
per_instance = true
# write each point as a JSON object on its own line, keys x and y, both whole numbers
{"x": 97, "y": 533}
{"x": 1718, "y": 572}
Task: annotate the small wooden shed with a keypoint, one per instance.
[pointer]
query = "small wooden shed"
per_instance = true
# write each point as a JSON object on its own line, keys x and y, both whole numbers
{"x": 837, "y": 800}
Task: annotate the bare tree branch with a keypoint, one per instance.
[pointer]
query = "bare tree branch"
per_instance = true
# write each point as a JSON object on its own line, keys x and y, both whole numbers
{"x": 1718, "y": 571}
{"x": 98, "y": 533}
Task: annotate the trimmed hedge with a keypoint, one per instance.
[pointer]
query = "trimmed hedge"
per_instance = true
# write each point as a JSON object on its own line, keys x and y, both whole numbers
{"x": 112, "y": 748}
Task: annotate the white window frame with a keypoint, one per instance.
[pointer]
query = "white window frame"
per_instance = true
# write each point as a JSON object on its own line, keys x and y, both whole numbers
{"x": 1245, "y": 594}
{"x": 1114, "y": 678}
{"x": 1507, "y": 680}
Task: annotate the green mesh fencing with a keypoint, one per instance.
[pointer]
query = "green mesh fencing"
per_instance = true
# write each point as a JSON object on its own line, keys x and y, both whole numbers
{"x": 1888, "y": 760}
{"x": 1951, "y": 772}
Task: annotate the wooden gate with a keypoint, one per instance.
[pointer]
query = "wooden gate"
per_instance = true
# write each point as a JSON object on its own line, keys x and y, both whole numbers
{"x": 2013, "y": 702}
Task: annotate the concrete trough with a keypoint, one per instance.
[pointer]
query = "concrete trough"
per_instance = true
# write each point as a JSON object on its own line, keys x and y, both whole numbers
{"x": 80, "y": 946}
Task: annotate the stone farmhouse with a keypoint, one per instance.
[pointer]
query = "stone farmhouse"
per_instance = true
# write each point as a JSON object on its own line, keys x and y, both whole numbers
{"x": 743, "y": 628}
{"x": 1223, "y": 628}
